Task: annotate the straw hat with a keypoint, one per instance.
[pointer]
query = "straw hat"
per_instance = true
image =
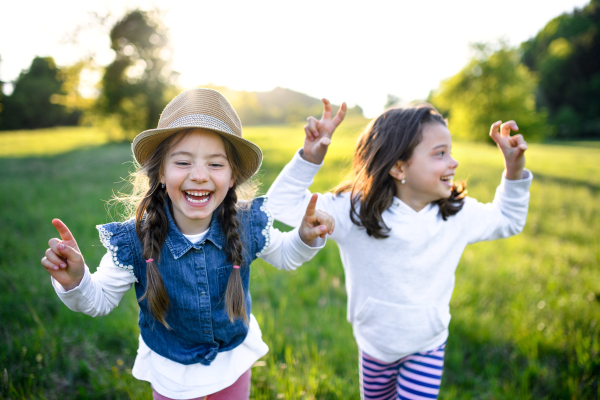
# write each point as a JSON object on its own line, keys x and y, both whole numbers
{"x": 199, "y": 108}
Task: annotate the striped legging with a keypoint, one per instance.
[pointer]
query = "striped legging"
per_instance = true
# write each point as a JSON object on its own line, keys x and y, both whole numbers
{"x": 414, "y": 377}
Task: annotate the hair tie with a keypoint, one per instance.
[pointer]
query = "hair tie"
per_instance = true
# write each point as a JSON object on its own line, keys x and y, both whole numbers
{"x": 149, "y": 260}
{"x": 236, "y": 267}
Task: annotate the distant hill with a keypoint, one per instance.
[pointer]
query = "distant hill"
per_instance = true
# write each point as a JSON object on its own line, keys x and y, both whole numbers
{"x": 277, "y": 106}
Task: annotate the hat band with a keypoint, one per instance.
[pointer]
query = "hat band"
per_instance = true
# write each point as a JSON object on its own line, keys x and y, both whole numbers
{"x": 201, "y": 120}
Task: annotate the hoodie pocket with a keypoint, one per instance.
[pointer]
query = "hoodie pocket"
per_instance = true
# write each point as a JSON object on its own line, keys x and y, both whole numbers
{"x": 397, "y": 328}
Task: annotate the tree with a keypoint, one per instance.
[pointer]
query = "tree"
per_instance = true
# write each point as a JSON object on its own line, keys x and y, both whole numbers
{"x": 566, "y": 53}
{"x": 34, "y": 102}
{"x": 137, "y": 85}
{"x": 392, "y": 101}
{"x": 493, "y": 86}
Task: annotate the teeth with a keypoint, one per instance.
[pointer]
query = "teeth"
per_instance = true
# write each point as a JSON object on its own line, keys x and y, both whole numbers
{"x": 197, "y": 193}
{"x": 204, "y": 200}
{"x": 205, "y": 196}
{"x": 447, "y": 178}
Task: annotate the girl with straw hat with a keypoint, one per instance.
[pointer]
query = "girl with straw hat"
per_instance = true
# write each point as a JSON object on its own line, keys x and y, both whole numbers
{"x": 188, "y": 251}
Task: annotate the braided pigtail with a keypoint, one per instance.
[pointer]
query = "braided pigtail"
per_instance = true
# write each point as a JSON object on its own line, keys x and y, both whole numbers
{"x": 151, "y": 227}
{"x": 152, "y": 233}
{"x": 234, "y": 295}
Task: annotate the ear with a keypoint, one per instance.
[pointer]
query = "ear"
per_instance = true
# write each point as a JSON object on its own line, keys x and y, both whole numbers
{"x": 397, "y": 171}
{"x": 231, "y": 181}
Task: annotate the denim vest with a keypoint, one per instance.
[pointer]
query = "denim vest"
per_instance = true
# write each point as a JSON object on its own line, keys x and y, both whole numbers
{"x": 195, "y": 277}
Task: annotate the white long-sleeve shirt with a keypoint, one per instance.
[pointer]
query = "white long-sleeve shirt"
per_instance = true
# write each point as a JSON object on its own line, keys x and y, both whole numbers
{"x": 399, "y": 288}
{"x": 99, "y": 293}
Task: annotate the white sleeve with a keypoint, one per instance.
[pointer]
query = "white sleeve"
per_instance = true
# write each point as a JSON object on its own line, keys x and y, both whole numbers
{"x": 505, "y": 216}
{"x": 98, "y": 293}
{"x": 289, "y": 196}
{"x": 287, "y": 251}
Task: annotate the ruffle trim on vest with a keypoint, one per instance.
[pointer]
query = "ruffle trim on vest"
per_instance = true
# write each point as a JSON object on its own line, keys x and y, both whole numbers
{"x": 267, "y": 230}
{"x": 105, "y": 236}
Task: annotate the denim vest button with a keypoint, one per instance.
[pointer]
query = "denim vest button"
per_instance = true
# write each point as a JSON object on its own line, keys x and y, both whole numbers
{"x": 206, "y": 331}
{"x": 203, "y": 294}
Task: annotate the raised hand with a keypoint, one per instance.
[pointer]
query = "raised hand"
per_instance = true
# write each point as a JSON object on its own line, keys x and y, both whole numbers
{"x": 63, "y": 259}
{"x": 512, "y": 147}
{"x": 318, "y": 133}
{"x": 315, "y": 222}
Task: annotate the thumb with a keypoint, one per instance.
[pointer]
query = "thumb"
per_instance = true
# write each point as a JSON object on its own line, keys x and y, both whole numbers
{"x": 69, "y": 252}
{"x": 313, "y": 233}
{"x": 325, "y": 142}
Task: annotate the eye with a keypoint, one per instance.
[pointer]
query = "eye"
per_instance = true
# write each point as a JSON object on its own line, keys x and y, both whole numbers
{"x": 441, "y": 153}
{"x": 182, "y": 163}
{"x": 216, "y": 165}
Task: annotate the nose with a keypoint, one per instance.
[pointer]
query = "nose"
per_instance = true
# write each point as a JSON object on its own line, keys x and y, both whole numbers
{"x": 199, "y": 174}
{"x": 453, "y": 163}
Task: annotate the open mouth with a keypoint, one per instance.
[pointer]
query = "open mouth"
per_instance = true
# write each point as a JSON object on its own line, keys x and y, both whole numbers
{"x": 448, "y": 179}
{"x": 197, "y": 197}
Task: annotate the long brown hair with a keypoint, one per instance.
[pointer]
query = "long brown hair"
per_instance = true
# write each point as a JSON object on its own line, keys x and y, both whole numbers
{"x": 152, "y": 223}
{"x": 390, "y": 137}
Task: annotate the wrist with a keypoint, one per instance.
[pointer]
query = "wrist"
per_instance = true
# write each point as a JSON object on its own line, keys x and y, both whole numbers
{"x": 309, "y": 158}
{"x": 514, "y": 174}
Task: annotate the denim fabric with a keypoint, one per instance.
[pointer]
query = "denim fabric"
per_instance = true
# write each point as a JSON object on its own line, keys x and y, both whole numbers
{"x": 195, "y": 277}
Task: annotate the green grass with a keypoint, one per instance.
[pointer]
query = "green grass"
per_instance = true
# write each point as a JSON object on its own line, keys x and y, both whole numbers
{"x": 525, "y": 311}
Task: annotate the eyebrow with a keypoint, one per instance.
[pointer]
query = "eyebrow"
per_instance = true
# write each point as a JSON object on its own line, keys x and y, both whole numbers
{"x": 439, "y": 145}
{"x": 187, "y": 153}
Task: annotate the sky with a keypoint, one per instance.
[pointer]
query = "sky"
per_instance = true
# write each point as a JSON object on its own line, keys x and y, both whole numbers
{"x": 350, "y": 51}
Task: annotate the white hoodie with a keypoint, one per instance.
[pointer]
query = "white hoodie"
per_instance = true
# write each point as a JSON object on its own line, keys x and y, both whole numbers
{"x": 399, "y": 288}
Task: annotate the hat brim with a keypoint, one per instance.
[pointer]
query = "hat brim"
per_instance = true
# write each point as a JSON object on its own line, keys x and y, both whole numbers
{"x": 146, "y": 142}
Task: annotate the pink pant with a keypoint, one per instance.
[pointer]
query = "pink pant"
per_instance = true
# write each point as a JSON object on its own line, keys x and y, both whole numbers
{"x": 240, "y": 390}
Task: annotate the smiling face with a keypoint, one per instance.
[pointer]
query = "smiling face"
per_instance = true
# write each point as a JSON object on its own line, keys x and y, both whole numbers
{"x": 197, "y": 175}
{"x": 430, "y": 170}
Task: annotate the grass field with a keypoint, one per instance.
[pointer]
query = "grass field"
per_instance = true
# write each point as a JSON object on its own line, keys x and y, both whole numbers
{"x": 525, "y": 311}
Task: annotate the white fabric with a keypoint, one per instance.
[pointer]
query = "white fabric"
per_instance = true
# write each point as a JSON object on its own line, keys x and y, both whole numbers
{"x": 399, "y": 288}
{"x": 99, "y": 293}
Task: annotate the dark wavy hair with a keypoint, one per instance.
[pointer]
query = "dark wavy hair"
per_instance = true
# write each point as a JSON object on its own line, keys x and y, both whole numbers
{"x": 149, "y": 198}
{"x": 390, "y": 137}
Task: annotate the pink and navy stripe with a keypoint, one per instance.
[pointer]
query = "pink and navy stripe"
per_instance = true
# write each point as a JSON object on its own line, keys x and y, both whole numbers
{"x": 414, "y": 377}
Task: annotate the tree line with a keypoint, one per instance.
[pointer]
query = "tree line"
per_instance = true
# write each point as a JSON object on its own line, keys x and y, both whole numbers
{"x": 550, "y": 84}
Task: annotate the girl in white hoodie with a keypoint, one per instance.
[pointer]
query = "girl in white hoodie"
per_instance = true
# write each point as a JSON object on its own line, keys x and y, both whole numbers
{"x": 401, "y": 227}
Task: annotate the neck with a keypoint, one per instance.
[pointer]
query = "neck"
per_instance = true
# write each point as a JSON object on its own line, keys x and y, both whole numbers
{"x": 413, "y": 200}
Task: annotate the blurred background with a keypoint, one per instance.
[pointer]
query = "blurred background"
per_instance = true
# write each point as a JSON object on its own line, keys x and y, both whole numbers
{"x": 121, "y": 62}
{"x": 78, "y": 80}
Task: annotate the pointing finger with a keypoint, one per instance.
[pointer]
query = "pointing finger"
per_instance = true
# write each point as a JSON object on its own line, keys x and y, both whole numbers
{"x": 326, "y": 109}
{"x": 339, "y": 117}
{"x": 65, "y": 233}
{"x": 312, "y": 205}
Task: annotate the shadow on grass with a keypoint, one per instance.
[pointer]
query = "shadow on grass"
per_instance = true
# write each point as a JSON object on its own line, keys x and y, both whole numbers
{"x": 566, "y": 182}
{"x": 484, "y": 368}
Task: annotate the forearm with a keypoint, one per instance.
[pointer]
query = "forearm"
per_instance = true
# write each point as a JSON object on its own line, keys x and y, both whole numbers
{"x": 289, "y": 194}
{"x": 505, "y": 216}
{"x": 99, "y": 293}
{"x": 287, "y": 251}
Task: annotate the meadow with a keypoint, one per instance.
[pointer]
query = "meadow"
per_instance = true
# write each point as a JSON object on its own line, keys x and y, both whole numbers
{"x": 525, "y": 310}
